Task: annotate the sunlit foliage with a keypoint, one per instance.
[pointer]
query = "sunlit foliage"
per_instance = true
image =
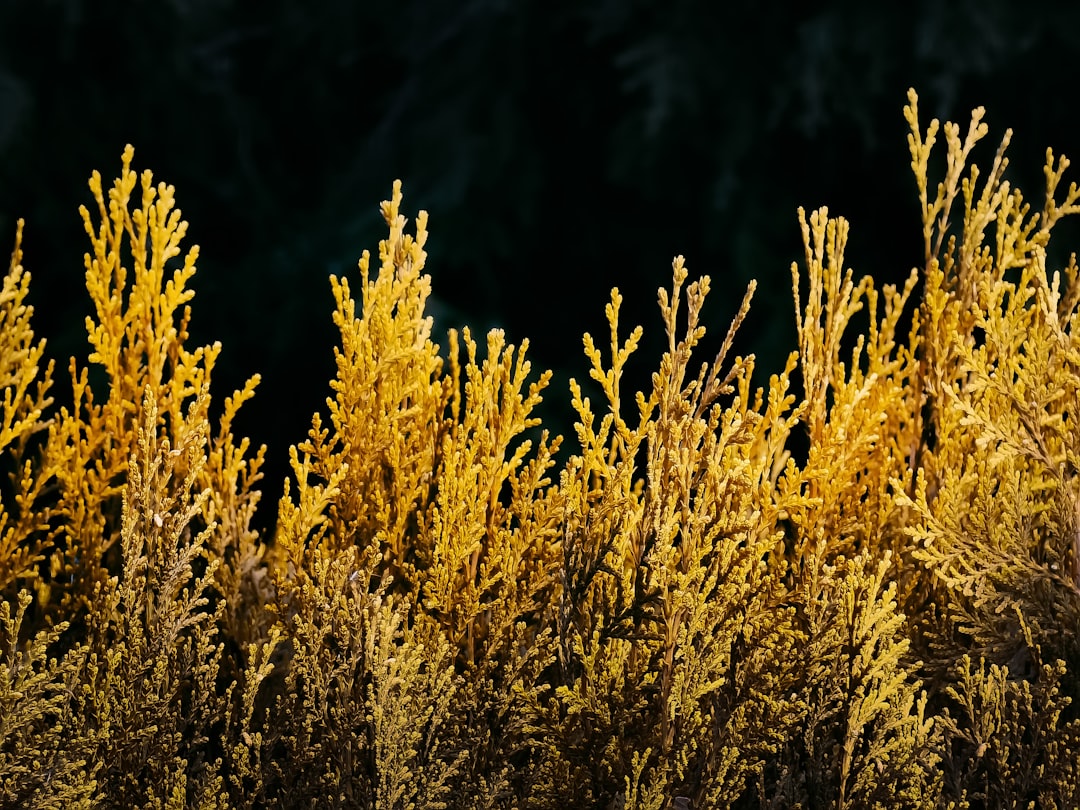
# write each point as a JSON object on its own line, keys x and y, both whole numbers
{"x": 858, "y": 586}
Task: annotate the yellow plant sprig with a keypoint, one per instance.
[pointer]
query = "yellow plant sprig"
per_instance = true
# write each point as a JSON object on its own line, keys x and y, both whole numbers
{"x": 989, "y": 736}
{"x": 859, "y": 416}
{"x": 665, "y": 573}
{"x": 865, "y": 714}
{"x": 20, "y": 362}
{"x": 935, "y": 214}
{"x": 230, "y": 476}
{"x": 832, "y": 294}
{"x": 138, "y": 335}
{"x": 24, "y": 535}
{"x": 152, "y": 702}
{"x": 468, "y": 524}
{"x": 36, "y": 762}
{"x": 390, "y": 397}
{"x": 140, "y": 329}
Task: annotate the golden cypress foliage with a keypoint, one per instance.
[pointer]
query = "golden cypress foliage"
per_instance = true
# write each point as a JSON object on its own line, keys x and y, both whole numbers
{"x": 137, "y": 512}
{"x": 687, "y": 612}
{"x": 996, "y": 498}
{"x": 22, "y": 546}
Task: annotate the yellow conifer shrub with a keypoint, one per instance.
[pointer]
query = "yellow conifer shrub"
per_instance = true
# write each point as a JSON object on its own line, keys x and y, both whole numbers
{"x": 686, "y": 613}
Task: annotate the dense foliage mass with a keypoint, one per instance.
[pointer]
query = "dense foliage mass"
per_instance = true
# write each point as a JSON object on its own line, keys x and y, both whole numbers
{"x": 544, "y": 140}
{"x": 856, "y": 587}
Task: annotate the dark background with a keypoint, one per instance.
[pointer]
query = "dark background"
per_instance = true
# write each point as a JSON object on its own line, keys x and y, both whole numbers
{"x": 560, "y": 148}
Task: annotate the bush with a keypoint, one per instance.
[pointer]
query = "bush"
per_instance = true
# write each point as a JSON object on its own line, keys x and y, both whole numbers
{"x": 864, "y": 594}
